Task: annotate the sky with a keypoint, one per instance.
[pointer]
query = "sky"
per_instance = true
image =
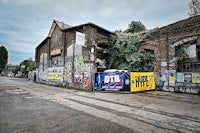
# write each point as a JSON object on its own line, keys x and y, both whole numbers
{"x": 24, "y": 24}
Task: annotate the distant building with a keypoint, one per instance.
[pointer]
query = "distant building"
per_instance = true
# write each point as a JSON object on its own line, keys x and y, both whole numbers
{"x": 72, "y": 49}
{"x": 10, "y": 68}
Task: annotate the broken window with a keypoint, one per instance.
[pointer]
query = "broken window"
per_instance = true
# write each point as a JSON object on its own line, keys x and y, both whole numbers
{"x": 188, "y": 57}
{"x": 56, "y": 61}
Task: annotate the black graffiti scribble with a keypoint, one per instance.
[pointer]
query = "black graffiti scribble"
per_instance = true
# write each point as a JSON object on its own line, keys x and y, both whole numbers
{"x": 141, "y": 81}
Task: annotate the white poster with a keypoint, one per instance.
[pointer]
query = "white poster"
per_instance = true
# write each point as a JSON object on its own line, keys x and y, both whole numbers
{"x": 80, "y": 39}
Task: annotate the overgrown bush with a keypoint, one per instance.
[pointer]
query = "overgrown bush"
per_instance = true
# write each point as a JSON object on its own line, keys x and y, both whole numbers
{"x": 125, "y": 53}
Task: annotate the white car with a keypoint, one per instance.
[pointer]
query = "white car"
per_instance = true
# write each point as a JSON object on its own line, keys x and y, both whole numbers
{"x": 10, "y": 75}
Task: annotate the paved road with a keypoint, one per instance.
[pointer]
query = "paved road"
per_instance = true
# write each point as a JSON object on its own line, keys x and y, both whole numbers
{"x": 31, "y": 107}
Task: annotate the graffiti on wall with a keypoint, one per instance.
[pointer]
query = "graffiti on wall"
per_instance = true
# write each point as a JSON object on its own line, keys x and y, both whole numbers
{"x": 42, "y": 76}
{"x": 78, "y": 64}
{"x": 87, "y": 76}
{"x": 78, "y": 69}
{"x": 67, "y": 73}
{"x": 81, "y": 72}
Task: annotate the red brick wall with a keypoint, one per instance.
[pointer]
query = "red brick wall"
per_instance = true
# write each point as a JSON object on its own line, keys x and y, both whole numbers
{"x": 163, "y": 39}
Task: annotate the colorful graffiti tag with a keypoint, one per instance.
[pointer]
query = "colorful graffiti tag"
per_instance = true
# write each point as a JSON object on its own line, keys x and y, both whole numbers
{"x": 78, "y": 64}
{"x": 82, "y": 71}
{"x": 67, "y": 73}
{"x": 87, "y": 76}
{"x": 78, "y": 69}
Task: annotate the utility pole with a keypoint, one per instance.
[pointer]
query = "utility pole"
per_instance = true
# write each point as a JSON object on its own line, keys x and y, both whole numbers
{"x": 64, "y": 41}
{"x": 73, "y": 54}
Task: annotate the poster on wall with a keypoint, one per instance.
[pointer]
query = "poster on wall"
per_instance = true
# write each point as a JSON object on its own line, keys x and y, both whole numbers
{"x": 80, "y": 38}
{"x": 164, "y": 74}
{"x": 164, "y": 63}
{"x": 141, "y": 81}
{"x": 188, "y": 77}
{"x": 180, "y": 76}
{"x": 78, "y": 69}
{"x": 55, "y": 74}
{"x": 196, "y": 77}
{"x": 172, "y": 78}
{"x": 110, "y": 80}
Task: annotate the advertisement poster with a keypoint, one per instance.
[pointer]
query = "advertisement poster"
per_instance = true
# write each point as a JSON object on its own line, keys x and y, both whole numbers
{"x": 55, "y": 74}
{"x": 110, "y": 80}
{"x": 180, "y": 76}
{"x": 196, "y": 77}
{"x": 164, "y": 75}
{"x": 172, "y": 74}
{"x": 80, "y": 38}
{"x": 141, "y": 81}
{"x": 188, "y": 78}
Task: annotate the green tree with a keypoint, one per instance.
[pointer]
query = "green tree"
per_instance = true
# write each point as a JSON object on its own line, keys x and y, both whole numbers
{"x": 3, "y": 57}
{"x": 135, "y": 26}
{"x": 125, "y": 53}
{"x": 16, "y": 70}
{"x": 28, "y": 65}
{"x": 182, "y": 56}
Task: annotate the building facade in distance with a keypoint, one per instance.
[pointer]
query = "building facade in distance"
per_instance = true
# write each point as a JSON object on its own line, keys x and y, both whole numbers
{"x": 71, "y": 52}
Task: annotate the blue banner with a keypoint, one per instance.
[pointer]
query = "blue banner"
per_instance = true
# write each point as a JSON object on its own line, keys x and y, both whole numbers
{"x": 110, "y": 80}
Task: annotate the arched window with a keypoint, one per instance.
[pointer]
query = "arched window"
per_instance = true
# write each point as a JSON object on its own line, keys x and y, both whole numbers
{"x": 188, "y": 57}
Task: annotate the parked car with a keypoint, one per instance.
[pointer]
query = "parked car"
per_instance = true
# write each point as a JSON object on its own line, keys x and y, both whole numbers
{"x": 10, "y": 75}
{"x": 2, "y": 74}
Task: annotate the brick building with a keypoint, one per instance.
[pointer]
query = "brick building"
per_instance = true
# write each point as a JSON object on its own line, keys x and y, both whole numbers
{"x": 166, "y": 43}
{"x": 72, "y": 49}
